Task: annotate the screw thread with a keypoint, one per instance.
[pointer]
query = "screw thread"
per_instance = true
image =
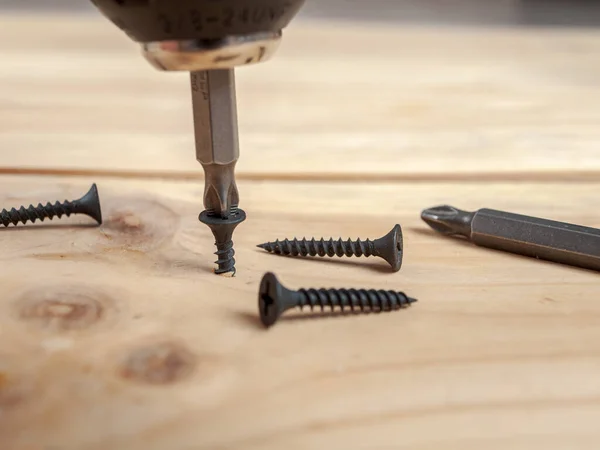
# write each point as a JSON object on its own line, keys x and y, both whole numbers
{"x": 225, "y": 261}
{"x": 33, "y": 213}
{"x": 371, "y": 299}
{"x": 213, "y": 213}
{"x": 322, "y": 247}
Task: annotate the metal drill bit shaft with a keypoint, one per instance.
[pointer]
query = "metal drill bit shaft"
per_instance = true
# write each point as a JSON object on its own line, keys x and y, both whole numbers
{"x": 217, "y": 149}
{"x": 216, "y": 131}
{"x": 559, "y": 242}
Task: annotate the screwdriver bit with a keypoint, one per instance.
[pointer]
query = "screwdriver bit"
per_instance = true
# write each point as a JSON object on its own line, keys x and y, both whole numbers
{"x": 559, "y": 242}
{"x": 216, "y": 131}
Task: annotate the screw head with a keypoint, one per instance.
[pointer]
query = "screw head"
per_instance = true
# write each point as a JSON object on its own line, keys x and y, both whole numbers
{"x": 91, "y": 202}
{"x": 270, "y": 304}
{"x": 222, "y": 228}
{"x": 236, "y": 217}
{"x": 390, "y": 247}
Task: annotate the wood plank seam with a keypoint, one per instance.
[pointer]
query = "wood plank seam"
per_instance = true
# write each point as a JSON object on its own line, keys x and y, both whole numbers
{"x": 591, "y": 176}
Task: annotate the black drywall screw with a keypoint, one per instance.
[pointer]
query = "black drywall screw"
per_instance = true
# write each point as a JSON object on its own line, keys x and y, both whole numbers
{"x": 274, "y": 299}
{"x": 89, "y": 205}
{"x": 222, "y": 230}
{"x": 389, "y": 247}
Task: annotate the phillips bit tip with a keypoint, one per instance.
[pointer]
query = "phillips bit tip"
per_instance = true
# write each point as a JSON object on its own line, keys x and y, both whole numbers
{"x": 448, "y": 220}
{"x": 535, "y": 237}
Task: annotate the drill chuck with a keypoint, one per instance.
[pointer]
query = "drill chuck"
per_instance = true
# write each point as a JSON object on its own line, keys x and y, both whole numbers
{"x": 194, "y": 35}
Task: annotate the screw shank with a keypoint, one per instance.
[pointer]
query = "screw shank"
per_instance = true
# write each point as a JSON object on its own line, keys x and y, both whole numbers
{"x": 363, "y": 299}
{"x": 539, "y": 238}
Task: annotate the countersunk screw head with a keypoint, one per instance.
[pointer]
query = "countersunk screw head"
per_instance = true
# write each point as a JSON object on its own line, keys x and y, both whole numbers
{"x": 89, "y": 204}
{"x": 269, "y": 304}
{"x": 390, "y": 247}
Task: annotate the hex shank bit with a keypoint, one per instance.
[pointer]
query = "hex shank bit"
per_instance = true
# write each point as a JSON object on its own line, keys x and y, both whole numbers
{"x": 217, "y": 149}
{"x": 216, "y": 131}
{"x": 559, "y": 242}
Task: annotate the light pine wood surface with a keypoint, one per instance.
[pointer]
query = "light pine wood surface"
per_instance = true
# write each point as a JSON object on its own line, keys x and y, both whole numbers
{"x": 120, "y": 337}
{"x": 344, "y": 101}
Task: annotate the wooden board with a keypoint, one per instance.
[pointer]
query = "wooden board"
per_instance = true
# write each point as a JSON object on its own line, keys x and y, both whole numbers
{"x": 121, "y": 337}
{"x": 346, "y": 101}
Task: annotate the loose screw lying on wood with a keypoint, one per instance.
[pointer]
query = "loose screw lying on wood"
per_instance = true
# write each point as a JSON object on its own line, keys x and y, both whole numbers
{"x": 274, "y": 299}
{"x": 389, "y": 247}
{"x": 89, "y": 205}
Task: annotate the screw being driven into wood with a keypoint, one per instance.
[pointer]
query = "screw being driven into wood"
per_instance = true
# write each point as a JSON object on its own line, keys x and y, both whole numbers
{"x": 222, "y": 230}
{"x": 389, "y": 247}
{"x": 89, "y": 205}
{"x": 274, "y": 299}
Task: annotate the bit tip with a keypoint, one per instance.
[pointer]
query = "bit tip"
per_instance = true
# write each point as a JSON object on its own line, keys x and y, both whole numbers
{"x": 263, "y": 246}
{"x": 448, "y": 220}
{"x": 412, "y": 300}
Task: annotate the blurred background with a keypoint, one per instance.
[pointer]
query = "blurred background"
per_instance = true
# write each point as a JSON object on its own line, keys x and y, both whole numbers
{"x": 490, "y": 12}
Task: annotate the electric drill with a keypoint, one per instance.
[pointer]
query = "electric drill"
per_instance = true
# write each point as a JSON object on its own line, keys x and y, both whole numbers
{"x": 208, "y": 38}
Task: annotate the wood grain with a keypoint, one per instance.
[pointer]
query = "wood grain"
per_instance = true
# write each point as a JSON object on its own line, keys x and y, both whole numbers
{"x": 120, "y": 337}
{"x": 342, "y": 101}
